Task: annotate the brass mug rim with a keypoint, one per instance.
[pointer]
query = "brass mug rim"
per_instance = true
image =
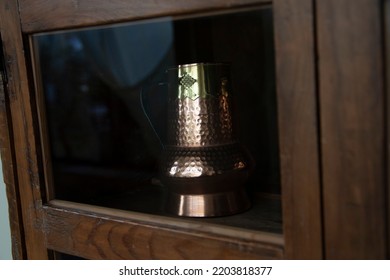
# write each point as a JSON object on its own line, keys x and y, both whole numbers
{"x": 196, "y": 64}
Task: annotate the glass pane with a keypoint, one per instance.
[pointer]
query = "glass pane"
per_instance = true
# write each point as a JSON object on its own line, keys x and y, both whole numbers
{"x": 105, "y": 93}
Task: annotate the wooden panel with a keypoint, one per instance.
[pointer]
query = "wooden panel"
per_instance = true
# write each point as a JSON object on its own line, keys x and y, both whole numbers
{"x": 102, "y": 233}
{"x": 352, "y": 125}
{"x": 296, "y": 94}
{"x": 41, "y": 15}
{"x": 16, "y": 224}
{"x": 23, "y": 131}
{"x": 386, "y": 33}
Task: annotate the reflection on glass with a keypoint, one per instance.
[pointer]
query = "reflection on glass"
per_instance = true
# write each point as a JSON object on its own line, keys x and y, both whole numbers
{"x": 104, "y": 91}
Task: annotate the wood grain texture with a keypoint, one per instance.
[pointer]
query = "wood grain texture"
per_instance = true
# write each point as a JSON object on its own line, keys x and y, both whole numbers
{"x": 42, "y": 119}
{"x": 43, "y": 15}
{"x": 9, "y": 176}
{"x": 298, "y": 139}
{"x": 23, "y": 131}
{"x": 386, "y": 14}
{"x": 101, "y": 233}
{"x": 352, "y": 128}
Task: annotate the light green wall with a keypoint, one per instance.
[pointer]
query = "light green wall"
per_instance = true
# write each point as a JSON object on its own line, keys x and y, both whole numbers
{"x": 5, "y": 233}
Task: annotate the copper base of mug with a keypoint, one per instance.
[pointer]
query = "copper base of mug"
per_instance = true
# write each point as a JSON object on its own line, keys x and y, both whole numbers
{"x": 207, "y": 205}
{"x": 207, "y": 196}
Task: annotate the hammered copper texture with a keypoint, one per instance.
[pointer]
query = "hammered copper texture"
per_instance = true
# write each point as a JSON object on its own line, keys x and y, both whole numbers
{"x": 206, "y": 161}
{"x": 203, "y": 164}
{"x": 200, "y": 136}
{"x": 200, "y": 122}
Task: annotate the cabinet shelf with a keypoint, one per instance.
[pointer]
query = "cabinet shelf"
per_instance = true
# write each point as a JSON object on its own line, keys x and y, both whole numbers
{"x": 96, "y": 232}
{"x": 264, "y": 215}
{"x": 116, "y": 189}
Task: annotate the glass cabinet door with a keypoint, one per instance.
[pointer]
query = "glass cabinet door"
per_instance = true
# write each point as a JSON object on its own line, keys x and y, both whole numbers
{"x": 102, "y": 98}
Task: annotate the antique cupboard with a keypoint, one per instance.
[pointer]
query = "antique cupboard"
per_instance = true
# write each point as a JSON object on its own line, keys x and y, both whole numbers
{"x": 312, "y": 91}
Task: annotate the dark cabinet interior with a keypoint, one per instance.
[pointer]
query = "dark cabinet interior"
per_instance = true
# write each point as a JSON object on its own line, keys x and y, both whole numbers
{"x": 103, "y": 96}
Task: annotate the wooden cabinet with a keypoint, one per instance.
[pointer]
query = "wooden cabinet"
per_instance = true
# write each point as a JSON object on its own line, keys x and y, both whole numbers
{"x": 323, "y": 98}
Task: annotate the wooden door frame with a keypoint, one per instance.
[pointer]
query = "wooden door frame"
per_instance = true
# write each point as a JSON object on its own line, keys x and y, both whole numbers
{"x": 9, "y": 173}
{"x": 298, "y": 128}
{"x": 352, "y": 114}
{"x": 23, "y": 140}
{"x": 296, "y": 95}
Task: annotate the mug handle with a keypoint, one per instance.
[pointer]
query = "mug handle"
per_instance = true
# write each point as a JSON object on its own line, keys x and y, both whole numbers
{"x": 141, "y": 94}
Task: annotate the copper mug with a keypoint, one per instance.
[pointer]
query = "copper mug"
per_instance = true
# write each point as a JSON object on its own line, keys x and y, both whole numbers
{"x": 203, "y": 165}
